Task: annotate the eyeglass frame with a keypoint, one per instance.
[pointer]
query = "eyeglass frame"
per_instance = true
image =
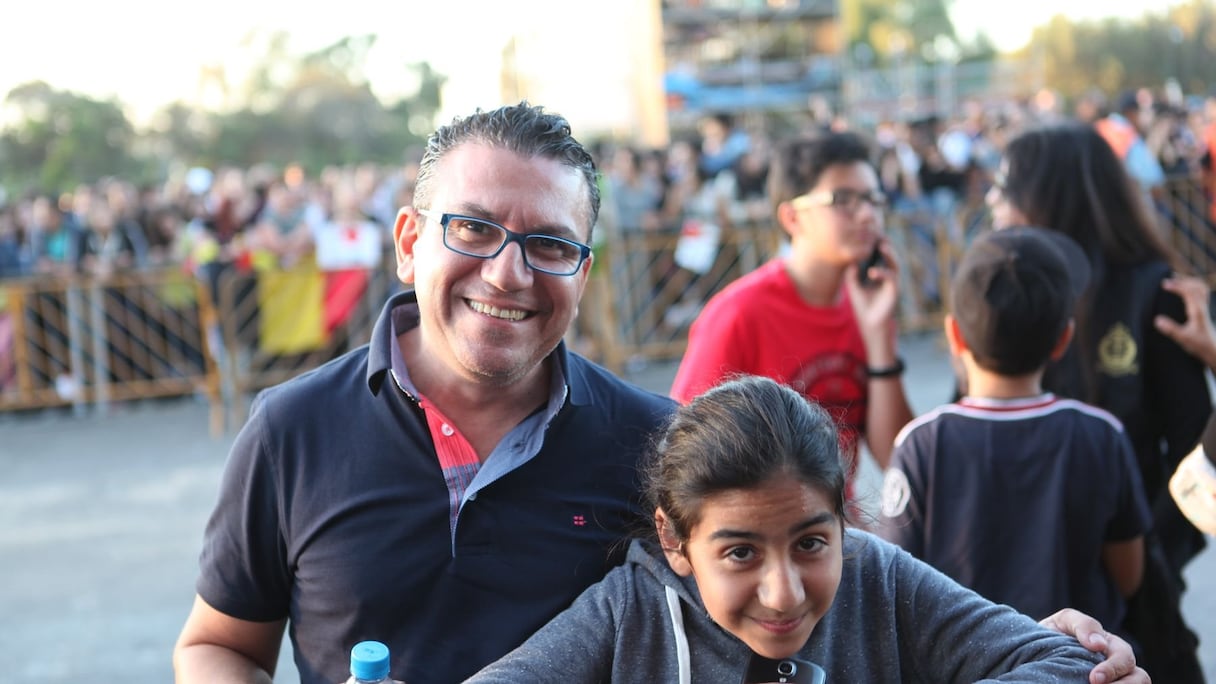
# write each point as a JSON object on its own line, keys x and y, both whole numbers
{"x": 877, "y": 199}
{"x": 510, "y": 236}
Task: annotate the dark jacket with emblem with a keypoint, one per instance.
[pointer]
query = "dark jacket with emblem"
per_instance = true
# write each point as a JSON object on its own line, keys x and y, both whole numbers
{"x": 1121, "y": 363}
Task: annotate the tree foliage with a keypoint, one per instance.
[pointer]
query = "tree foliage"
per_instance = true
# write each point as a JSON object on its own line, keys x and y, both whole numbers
{"x": 61, "y": 137}
{"x": 890, "y": 29}
{"x": 1117, "y": 54}
{"x": 315, "y": 110}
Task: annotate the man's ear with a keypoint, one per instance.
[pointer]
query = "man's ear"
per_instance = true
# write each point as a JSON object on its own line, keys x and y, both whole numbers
{"x": 954, "y": 336}
{"x": 787, "y": 217}
{"x": 673, "y": 548}
{"x": 1065, "y": 337}
{"x": 405, "y": 236}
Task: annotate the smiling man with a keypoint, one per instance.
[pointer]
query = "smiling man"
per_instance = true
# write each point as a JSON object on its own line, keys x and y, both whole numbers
{"x": 456, "y": 483}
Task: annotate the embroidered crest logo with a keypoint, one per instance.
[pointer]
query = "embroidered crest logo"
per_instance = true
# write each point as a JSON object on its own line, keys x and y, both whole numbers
{"x": 579, "y": 521}
{"x": 1117, "y": 352}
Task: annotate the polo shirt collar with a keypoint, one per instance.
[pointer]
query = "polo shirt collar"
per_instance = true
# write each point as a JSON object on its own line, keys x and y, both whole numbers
{"x": 380, "y": 354}
{"x": 380, "y": 348}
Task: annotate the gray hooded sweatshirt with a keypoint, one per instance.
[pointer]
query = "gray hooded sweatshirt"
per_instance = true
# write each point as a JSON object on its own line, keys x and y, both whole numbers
{"x": 894, "y": 619}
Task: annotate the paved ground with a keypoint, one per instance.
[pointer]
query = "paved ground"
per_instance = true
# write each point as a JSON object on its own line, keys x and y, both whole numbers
{"x": 101, "y": 518}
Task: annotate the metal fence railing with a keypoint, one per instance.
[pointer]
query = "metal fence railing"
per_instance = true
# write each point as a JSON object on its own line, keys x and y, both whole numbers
{"x": 82, "y": 342}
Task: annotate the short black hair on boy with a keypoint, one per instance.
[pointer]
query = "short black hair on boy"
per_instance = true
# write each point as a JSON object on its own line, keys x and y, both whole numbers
{"x": 799, "y": 162}
{"x": 1013, "y": 295}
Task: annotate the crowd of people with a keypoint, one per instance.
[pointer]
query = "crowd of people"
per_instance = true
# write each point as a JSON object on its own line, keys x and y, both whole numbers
{"x": 929, "y": 167}
{"x": 252, "y": 218}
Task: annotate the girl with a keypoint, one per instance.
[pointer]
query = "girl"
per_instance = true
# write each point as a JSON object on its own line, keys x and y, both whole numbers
{"x": 1067, "y": 178}
{"x": 751, "y": 556}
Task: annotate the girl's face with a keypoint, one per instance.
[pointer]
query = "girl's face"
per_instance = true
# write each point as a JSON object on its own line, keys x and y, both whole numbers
{"x": 1004, "y": 214}
{"x": 766, "y": 560}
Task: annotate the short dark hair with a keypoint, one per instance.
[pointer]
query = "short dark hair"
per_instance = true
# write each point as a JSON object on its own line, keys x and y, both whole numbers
{"x": 524, "y": 129}
{"x": 1013, "y": 294}
{"x": 737, "y": 435}
{"x": 799, "y": 162}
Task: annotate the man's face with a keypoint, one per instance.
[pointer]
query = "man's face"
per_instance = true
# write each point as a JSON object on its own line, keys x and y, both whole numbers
{"x": 836, "y": 234}
{"x": 493, "y": 319}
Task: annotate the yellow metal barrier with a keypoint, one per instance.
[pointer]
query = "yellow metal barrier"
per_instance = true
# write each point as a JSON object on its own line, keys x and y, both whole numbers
{"x": 1185, "y": 222}
{"x": 83, "y": 342}
{"x": 276, "y": 324}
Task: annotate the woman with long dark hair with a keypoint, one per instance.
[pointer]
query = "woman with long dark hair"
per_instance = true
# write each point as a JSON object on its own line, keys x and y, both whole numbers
{"x": 1067, "y": 178}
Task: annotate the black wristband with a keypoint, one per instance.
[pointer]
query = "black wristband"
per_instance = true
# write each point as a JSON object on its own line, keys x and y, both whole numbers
{"x": 894, "y": 370}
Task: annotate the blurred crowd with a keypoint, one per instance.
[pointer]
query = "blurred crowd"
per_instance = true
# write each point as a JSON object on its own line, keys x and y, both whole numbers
{"x": 932, "y": 168}
{"x": 929, "y": 165}
{"x": 200, "y": 219}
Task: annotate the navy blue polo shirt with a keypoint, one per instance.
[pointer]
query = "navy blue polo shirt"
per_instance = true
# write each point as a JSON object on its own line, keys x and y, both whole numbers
{"x": 334, "y": 513}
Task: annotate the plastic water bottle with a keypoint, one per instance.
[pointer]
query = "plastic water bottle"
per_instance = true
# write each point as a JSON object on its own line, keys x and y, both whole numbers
{"x": 368, "y": 663}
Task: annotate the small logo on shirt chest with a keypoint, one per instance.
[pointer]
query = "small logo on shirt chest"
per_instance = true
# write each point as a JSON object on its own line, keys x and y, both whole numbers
{"x": 579, "y": 521}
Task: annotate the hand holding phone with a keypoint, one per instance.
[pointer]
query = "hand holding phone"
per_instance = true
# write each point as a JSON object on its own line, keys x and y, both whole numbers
{"x": 792, "y": 670}
{"x": 876, "y": 259}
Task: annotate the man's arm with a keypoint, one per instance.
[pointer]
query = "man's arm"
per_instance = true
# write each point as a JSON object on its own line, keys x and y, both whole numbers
{"x": 1120, "y": 663}
{"x": 886, "y": 414}
{"x": 214, "y": 647}
{"x": 887, "y": 409}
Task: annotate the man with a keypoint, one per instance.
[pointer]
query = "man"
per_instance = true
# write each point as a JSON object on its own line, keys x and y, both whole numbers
{"x": 454, "y": 485}
{"x": 805, "y": 319}
{"x": 457, "y": 483}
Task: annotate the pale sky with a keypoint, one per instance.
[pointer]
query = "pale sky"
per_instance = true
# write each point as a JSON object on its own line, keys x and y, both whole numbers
{"x": 148, "y": 52}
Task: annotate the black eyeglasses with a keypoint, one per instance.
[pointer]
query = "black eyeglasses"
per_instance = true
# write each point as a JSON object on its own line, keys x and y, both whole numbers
{"x": 845, "y": 199}
{"x": 484, "y": 239}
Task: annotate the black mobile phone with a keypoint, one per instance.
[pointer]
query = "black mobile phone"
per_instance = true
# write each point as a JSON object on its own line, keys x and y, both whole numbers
{"x": 791, "y": 670}
{"x": 863, "y": 268}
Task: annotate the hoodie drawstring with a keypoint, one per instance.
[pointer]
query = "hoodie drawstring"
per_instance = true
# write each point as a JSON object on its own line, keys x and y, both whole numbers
{"x": 677, "y": 628}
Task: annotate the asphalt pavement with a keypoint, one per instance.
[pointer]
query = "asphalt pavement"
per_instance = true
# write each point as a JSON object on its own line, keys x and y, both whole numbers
{"x": 102, "y": 515}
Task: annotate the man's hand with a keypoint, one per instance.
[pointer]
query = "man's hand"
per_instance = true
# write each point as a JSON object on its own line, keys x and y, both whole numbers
{"x": 1196, "y": 335}
{"x": 874, "y": 305}
{"x": 1120, "y": 663}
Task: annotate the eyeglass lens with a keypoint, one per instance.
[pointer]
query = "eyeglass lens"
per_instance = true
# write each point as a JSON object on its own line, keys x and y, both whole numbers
{"x": 542, "y": 252}
{"x": 852, "y": 199}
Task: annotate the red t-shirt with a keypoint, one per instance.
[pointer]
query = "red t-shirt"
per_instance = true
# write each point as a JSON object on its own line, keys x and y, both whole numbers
{"x": 760, "y": 325}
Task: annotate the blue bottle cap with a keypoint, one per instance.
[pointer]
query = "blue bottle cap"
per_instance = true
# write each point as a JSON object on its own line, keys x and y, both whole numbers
{"x": 369, "y": 661}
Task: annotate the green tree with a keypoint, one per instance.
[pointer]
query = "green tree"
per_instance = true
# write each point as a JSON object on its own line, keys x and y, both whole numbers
{"x": 891, "y": 28}
{"x": 60, "y": 138}
{"x": 1122, "y": 53}
{"x": 316, "y": 110}
{"x": 319, "y": 110}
